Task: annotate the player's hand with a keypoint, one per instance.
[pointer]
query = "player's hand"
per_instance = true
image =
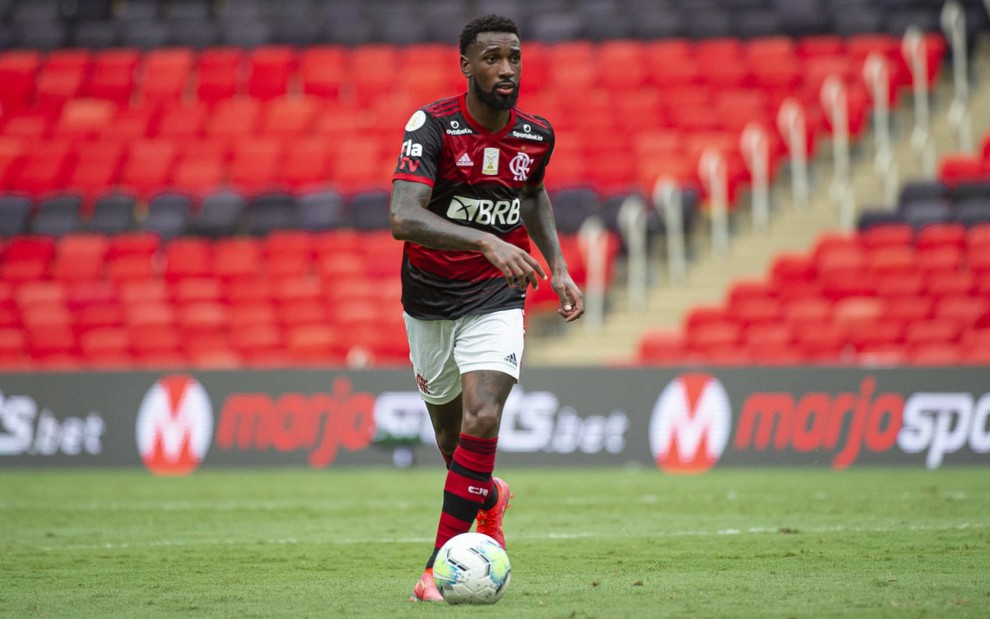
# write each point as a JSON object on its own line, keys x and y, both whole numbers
{"x": 521, "y": 270}
{"x": 571, "y": 297}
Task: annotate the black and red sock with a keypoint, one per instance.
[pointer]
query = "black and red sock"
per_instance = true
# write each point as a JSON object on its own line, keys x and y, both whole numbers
{"x": 467, "y": 489}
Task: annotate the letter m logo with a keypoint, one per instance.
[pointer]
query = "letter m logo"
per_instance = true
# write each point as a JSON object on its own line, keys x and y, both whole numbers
{"x": 691, "y": 424}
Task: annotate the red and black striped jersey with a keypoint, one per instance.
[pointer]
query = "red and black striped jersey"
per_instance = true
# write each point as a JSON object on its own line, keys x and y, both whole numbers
{"x": 476, "y": 177}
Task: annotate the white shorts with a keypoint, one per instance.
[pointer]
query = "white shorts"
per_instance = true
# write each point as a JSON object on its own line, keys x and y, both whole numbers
{"x": 442, "y": 350}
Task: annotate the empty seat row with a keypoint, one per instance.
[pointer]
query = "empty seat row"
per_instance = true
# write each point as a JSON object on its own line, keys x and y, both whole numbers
{"x": 48, "y": 24}
{"x": 368, "y": 72}
{"x": 961, "y": 194}
{"x": 137, "y": 300}
{"x": 890, "y": 294}
{"x": 251, "y": 143}
{"x": 217, "y": 213}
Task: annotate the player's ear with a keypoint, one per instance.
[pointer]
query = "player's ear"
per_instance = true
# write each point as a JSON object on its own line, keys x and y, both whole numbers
{"x": 465, "y": 67}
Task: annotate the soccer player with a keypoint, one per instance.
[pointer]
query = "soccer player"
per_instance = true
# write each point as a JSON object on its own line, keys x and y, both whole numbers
{"x": 467, "y": 197}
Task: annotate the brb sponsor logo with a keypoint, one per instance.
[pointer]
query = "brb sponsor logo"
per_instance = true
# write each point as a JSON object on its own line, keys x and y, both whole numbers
{"x": 690, "y": 425}
{"x": 174, "y": 426}
{"x": 28, "y": 429}
{"x": 502, "y": 215}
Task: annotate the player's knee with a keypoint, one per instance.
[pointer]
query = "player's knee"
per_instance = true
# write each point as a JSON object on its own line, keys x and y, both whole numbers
{"x": 483, "y": 423}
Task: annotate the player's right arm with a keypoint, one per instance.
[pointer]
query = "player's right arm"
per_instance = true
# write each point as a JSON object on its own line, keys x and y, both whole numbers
{"x": 410, "y": 220}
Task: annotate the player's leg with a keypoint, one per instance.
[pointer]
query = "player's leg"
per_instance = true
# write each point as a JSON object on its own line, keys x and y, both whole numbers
{"x": 489, "y": 354}
{"x": 431, "y": 344}
{"x": 446, "y": 419}
{"x": 490, "y": 390}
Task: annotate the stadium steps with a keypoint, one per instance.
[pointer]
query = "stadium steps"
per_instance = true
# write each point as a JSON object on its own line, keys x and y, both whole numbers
{"x": 751, "y": 253}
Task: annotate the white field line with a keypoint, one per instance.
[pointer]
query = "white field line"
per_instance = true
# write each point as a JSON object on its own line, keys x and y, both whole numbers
{"x": 289, "y": 541}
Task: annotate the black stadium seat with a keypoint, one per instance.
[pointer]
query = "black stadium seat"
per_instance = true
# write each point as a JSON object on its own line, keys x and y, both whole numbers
{"x": 15, "y": 211}
{"x": 58, "y": 215}
{"x": 113, "y": 213}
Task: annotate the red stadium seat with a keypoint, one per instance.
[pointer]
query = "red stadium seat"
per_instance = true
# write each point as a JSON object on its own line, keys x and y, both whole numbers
{"x": 61, "y": 77}
{"x": 941, "y": 235}
{"x": 44, "y": 168}
{"x": 661, "y": 347}
{"x": 307, "y": 163}
{"x": 897, "y": 235}
{"x": 165, "y": 75}
{"x": 234, "y": 118}
{"x": 150, "y": 313}
{"x": 186, "y": 121}
{"x": 322, "y": 69}
{"x": 85, "y": 118}
{"x": 289, "y": 116}
{"x": 189, "y": 290}
{"x": 187, "y": 257}
{"x": 106, "y": 348}
{"x": 270, "y": 71}
{"x": 236, "y": 259}
{"x": 13, "y": 349}
{"x": 371, "y": 73}
{"x": 932, "y": 331}
{"x": 262, "y": 345}
{"x": 201, "y": 319}
{"x": 18, "y": 69}
{"x": 148, "y": 165}
{"x": 958, "y": 168}
{"x": 80, "y": 257}
{"x": 113, "y": 75}
{"x": 314, "y": 345}
{"x": 156, "y": 346}
{"x": 218, "y": 75}
{"x": 255, "y": 163}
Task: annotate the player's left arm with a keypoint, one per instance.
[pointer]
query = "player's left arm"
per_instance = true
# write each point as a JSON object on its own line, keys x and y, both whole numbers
{"x": 537, "y": 215}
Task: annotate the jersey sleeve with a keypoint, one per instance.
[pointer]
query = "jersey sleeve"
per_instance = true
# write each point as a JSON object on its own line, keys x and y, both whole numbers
{"x": 420, "y": 151}
{"x": 541, "y": 170}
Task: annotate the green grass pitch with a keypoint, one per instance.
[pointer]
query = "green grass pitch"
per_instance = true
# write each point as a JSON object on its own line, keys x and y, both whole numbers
{"x": 583, "y": 543}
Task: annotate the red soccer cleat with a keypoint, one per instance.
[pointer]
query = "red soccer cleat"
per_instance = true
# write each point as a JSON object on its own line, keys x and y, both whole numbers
{"x": 490, "y": 520}
{"x": 425, "y": 589}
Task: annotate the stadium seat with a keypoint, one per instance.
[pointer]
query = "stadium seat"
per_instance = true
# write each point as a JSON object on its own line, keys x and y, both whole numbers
{"x": 18, "y": 69}
{"x": 80, "y": 257}
{"x": 106, "y": 348}
{"x": 113, "y": 213}
{"x": 218, "y": 74}
{"x": 320, "y": 210}
{"x": 58, "y": 215}
{"x": 168, "y": 215}
{"x": 17, "y": 211}
{"x": 187, "y": 257}
{"x": 148, "y": 165}
{"x": 270, "y": 211}
{"x": 165, "y": 74}
{"x": 236, "y": 258}
{"x": 270, "y": 70}
{"x": 368, "y": 210}
{"x": 219, "y": 214}
{"x": 28, "y": 258}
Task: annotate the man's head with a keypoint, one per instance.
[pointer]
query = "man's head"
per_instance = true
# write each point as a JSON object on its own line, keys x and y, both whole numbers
{"x": 491, "y": 61}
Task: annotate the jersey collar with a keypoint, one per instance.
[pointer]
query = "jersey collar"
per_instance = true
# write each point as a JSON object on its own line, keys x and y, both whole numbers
{"x": 481, "y": 128}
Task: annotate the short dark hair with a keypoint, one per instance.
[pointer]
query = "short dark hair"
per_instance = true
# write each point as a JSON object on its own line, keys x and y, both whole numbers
{"x": 488, "y": 23}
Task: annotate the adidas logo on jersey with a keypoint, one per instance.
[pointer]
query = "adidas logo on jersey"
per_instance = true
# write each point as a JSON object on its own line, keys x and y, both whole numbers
{"x": 511, "y": 358}
{"x": 464, "y": 161}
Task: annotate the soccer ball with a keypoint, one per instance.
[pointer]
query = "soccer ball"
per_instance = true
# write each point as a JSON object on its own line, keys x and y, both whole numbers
{"x": 471, "y": 568}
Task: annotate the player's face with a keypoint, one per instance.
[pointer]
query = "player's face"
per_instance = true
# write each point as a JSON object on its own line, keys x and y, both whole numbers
{"x": 493, "y": 66}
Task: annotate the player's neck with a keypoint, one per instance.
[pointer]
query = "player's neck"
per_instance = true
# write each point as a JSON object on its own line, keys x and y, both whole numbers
{"x": 489, "y": 118}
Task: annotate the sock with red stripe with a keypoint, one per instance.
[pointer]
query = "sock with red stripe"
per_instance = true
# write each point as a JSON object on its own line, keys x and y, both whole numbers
{"x": 468, "y": 485}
